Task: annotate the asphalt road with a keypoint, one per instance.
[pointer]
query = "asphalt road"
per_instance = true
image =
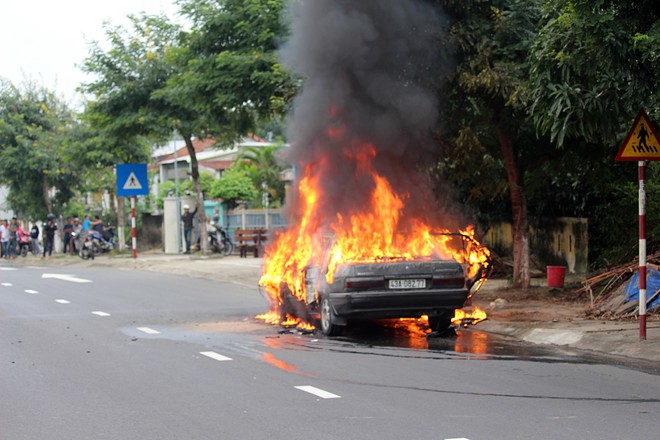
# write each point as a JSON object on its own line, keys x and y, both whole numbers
{"x": 103, "y": 353}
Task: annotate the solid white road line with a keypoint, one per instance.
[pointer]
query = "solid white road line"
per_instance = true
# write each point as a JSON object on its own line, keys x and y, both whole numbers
{"x": 62, "y": 301}
{"x": 8, "y": 268}
{"x": 216, "y": 356}
{"x": 7, "y": 284}
{"x": 462, "y": 438}
{"x": 32, "y": 292}
{"x": 64, "y": 277}
{"x": 148, "y": 330}
{"x": 99, "y": 313}
{"x": 317, "y": 392}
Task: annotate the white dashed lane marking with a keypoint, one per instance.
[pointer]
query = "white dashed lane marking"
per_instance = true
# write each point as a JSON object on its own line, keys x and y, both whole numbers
{"x": 7, "y": 268}
{"x": 31, "y": 292}
{"x": 65, "y": 277}
{"x": 148, "y": 330}
{"x": 214, "y": 355}
{"x": 99, "y": 313}
{"x": 317, "y": 392}
{"x": 62, "y": 301}
{"x": 7, "y": 284}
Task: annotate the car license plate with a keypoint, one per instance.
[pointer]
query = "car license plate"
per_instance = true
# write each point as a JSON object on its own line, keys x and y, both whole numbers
{"x": 407, "y": 284}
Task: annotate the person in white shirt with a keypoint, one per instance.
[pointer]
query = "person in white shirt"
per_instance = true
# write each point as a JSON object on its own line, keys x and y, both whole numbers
{"x": 4, "y": 238}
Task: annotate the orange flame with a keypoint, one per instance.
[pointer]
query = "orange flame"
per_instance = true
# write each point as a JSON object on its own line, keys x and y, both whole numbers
{"x": 375, "y": 232}
{"x": 464, "y": 317}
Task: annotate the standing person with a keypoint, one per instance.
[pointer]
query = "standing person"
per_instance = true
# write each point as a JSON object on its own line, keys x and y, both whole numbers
{"x": 68, "y": 229}
{"x": 34, "y": 238}
{"x": 49, "y": 234}
{"x": 187, "y": 218}
{"x": 77, "y": 230}
{"x": 4, "y": 237}
{"x": 13, "y": 229}
{"x": 86, "y": 224}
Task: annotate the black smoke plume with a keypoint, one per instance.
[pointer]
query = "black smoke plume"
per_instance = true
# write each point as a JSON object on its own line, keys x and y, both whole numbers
{"x": 369, "y": 68}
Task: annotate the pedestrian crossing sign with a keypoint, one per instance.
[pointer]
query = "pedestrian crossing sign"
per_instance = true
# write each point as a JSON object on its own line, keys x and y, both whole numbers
{"x": 642, "y": 142}
{"x": 132, "y": 180}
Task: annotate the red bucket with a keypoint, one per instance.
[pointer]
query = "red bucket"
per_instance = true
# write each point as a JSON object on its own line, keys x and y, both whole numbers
{"x": 556, "y": 276}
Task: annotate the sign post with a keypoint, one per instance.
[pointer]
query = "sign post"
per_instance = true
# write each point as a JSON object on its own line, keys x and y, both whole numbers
{"x": 132, "y": 181}
{"x": 642, "y": 144}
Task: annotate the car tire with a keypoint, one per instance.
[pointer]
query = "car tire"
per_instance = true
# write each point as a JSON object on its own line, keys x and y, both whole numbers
{"x": 328, "y": 327}
{"x": 439, "y": 323}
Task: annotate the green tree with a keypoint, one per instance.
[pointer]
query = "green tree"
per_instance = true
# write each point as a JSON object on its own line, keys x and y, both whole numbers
{"x": 33, "y": 122}
{"x": 213, "y": 81}
{"x": 262, "y": 164}
{"x": 593, "y": 65}
{"x": 235, "y": 185}
{"x": 129, "y": 99}
{"x": 487, "y": 114}
{"x": 232, "y": 75}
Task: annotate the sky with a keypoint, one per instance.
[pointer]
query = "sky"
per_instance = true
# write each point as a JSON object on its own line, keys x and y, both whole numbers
{"x": 45, "y": 40}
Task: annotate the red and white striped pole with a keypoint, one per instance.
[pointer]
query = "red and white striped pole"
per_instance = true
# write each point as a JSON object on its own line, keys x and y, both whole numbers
{"x": 133, "y": 227}
{"x": 642, "y": 250}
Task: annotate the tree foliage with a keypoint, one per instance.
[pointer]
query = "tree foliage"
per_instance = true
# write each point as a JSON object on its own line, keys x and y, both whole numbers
{"x": 33, "y": 123}
{"x": 561, "y": 80}
{"x": 263, "y": 167}
{"x": 232, "y": 76}
{"x": 234, "y": 186}
{"x": 486, "y": 114}
{"x": 137, "y": 63}
{"x": 594, "y": 64}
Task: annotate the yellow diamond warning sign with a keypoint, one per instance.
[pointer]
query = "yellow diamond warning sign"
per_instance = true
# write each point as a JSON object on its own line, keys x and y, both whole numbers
{"x": 642, "y": 142}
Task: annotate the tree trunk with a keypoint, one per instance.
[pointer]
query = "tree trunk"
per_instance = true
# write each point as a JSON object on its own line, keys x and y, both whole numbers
{"x": 519, "y": 211}
{"x": 45, "y": 188}
{"x": 201, "y": 215}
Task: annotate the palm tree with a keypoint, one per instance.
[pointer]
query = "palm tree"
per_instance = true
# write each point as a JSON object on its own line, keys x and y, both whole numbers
{"x": 263, "y": 166}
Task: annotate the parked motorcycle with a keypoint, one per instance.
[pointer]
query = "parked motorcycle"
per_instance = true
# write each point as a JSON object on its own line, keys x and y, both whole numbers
{"x": 102, "y": 241}
{"x": 84, "y": 244}
{"x": 219, "y": 240}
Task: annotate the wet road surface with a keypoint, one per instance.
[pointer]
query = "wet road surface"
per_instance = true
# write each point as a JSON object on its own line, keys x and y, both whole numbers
{"x": 157, "y": 356}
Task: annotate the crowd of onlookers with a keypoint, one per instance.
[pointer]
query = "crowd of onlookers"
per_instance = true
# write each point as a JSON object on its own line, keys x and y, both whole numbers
{"x": 14, "y": 237}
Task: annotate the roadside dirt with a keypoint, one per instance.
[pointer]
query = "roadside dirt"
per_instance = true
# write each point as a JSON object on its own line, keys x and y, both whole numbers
{"x": 541, "y": 304}
{"x": 534, "y": 304}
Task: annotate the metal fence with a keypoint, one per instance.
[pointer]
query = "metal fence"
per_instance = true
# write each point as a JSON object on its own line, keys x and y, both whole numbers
{"x": 253, "y": 218}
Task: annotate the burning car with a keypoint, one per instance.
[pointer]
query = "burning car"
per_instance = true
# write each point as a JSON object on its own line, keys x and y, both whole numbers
{"x": 431, "y": 275}
{"x": 380, "y": 258}
{"x": 392, "y": 287}
{"x": 366, "y": 154}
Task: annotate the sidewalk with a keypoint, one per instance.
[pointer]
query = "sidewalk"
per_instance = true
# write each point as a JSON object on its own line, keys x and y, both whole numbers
{"x": 538, "y": 316}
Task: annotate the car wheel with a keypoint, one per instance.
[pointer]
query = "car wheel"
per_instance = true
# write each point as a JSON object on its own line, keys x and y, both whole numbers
{"x": 328, "y": 328}
{"x": 439, "y": 323}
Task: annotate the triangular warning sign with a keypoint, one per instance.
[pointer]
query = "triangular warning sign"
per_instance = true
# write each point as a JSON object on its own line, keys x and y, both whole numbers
{"x": 642, "y": 142}
{"x": 132, "y": 182}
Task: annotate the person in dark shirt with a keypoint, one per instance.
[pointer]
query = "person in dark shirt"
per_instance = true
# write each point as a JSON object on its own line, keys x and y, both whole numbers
{"x": 187, "y": 218}
{"x": 49, "y": 235}
{"x": 68, "y": 229}
{"x": 97, "y": 224}
{"x": 34, "y": 238}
